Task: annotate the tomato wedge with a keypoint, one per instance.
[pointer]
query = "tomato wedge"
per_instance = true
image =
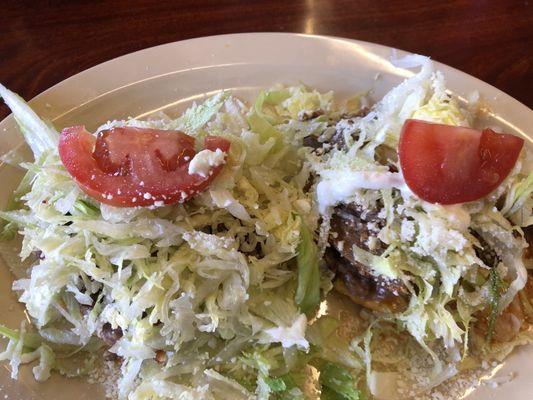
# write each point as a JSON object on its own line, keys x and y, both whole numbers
{"x": 449, "y": 164}
{"x": 128, "y": 166}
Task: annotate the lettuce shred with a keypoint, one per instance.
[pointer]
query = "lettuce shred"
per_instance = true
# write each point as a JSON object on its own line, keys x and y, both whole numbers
{"x": 308, "y": 288}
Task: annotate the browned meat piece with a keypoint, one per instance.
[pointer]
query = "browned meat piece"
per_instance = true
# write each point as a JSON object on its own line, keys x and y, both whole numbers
{"x": 528, "y": 231}
{"x": 109, "y": 335}
{"x": 351, "y": 227}
{"x": 485, "y": 253}
{"x": 306, "y": 115}
{"x": 354, "y": 227}
{"x": 312, "y": 141}
{"x": 387, "y": 156}
{"x": 161, "y": 356}
{"x": 338, "y": 138}
{"x": 363, "y": 289}
{"x": 359, "y": 114}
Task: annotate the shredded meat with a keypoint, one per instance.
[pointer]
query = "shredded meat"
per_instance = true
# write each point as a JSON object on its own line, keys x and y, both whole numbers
{"x": 306, "y": 115}
{"x": 337, "y": 140}
{"x": 109, "y": 335}
{"x": 350, "y": 226}
{"x": 485, "y": 253}
{"x": 312, "y": 141}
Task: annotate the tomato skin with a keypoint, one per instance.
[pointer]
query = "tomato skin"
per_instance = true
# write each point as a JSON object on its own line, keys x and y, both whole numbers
{"x": 449, "y": 165}
{"x": 134, "y": 171}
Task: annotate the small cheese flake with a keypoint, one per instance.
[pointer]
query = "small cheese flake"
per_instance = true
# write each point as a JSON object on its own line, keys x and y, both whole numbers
{"x": 407, "y": 230}
{"x": 292, "y": 335}
{"x": 147, "y": 196}
{"x": 205, "y": 160}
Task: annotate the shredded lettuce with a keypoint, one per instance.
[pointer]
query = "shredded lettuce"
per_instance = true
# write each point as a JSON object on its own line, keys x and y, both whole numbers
{"x": 337, "y": 383}
{"x": 495, "y": 288}
{"x": 185, "y": 279}
{"x": 379, "y": 265}
{"x": 308, "y": 288}
{"x": 41, "y": 137}
{"x": 518, "y": 204}
{"x": 197, "y": 116}
{"x": 262, "y": 123}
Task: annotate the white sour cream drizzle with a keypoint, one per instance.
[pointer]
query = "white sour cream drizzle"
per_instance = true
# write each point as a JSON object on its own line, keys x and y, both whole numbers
{"x": 331, "y": 192}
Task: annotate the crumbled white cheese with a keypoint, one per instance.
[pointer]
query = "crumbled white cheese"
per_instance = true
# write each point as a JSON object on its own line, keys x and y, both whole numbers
{"x": 435, "y": 237}
{"x": 291, "y": 335}
{"x": 208, "y": 243}
{"x": 456, "y": 215}
{"x": 407, "y": 230}
{"x": 204, "y": 160}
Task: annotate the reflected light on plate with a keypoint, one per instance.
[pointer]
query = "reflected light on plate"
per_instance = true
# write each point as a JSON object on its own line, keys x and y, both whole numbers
{"x": 383, "y": 64}
{"x": 487, "y": 112}
{"x": 503, "y": 121}
{"x": 178, "y": 102}
{"x": 27, "y": 317}
{"x": 309, "y": 22}
{"x": 155, "y": 77}
{"x": 483, "y": 379}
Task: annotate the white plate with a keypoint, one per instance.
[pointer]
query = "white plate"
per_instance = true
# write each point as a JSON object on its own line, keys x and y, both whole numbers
{"x": 171, "y": 76}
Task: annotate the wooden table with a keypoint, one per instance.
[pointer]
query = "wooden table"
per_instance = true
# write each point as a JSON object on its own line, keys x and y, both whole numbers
{"x": 44, "y": 42}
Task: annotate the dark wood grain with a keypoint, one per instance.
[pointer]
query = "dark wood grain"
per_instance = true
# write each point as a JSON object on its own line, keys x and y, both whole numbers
{"x": 44, "y": 42}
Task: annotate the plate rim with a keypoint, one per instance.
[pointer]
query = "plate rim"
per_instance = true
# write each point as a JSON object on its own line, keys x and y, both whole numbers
{"x": 73, "y": 79}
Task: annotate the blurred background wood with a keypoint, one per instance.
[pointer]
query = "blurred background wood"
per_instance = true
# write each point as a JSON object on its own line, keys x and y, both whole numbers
{"x": 45, "y": 42}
